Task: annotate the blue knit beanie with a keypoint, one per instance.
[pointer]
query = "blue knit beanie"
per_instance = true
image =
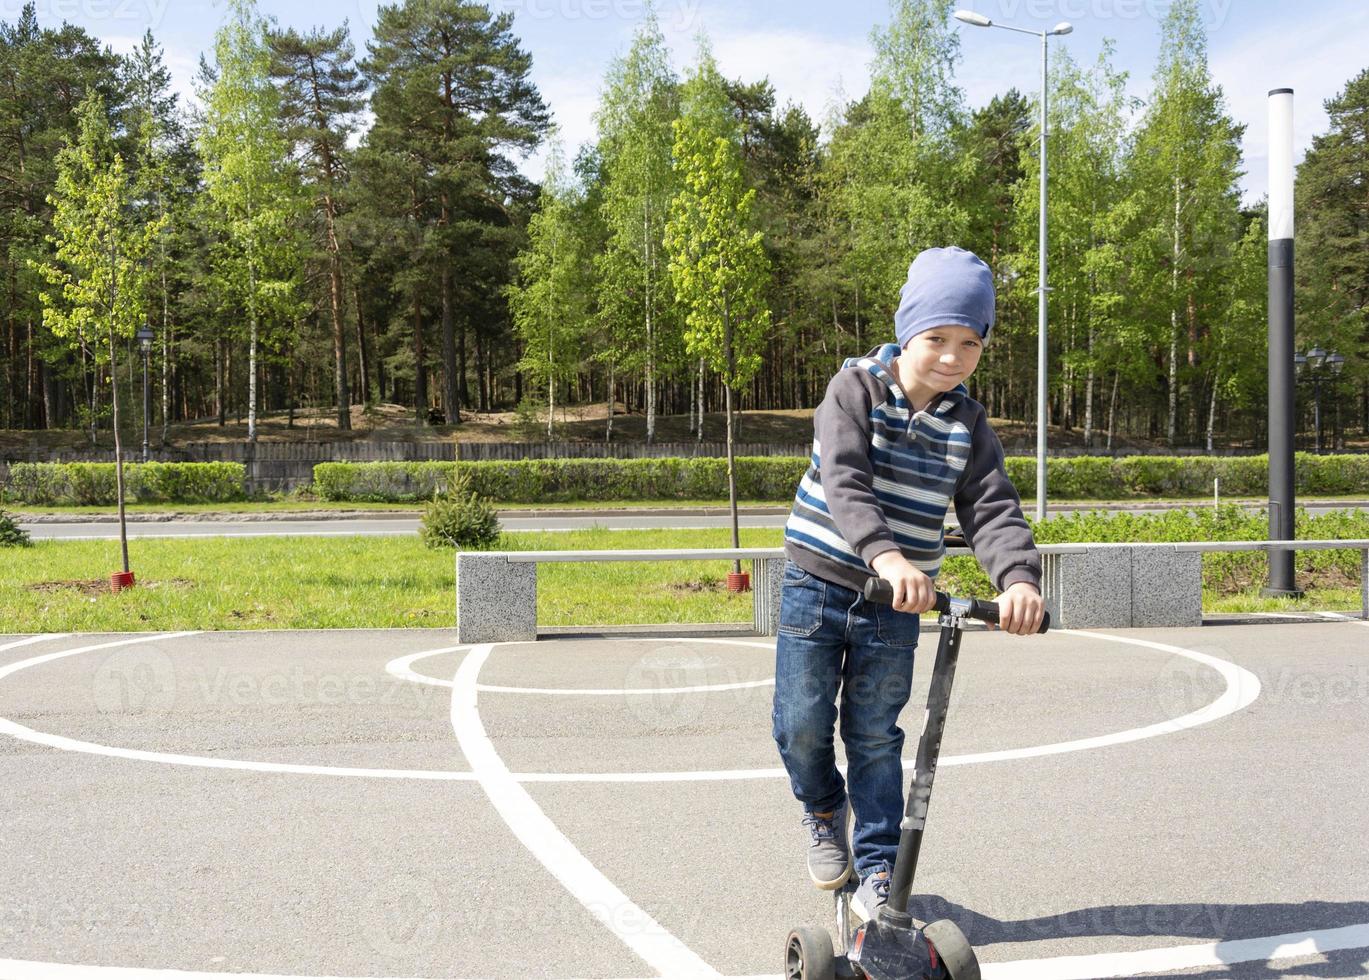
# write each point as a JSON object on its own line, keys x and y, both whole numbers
{"x": 946, "y": 286}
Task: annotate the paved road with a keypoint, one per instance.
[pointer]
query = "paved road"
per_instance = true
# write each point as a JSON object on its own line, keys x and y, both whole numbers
{"x": 380, "y": 804}
{"x": 511, "y": 521}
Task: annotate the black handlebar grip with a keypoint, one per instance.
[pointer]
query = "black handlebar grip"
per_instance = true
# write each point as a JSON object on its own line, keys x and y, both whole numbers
{"x": 878, "y": 590}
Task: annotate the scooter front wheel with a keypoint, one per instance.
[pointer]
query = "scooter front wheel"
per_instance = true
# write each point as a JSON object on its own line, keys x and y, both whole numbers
{"x": 953, "y": 949}
{"x": 808, "y": 955}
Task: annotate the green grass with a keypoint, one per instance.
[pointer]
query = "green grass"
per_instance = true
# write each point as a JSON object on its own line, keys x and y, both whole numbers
{"x": 1315, "y": 600}
{"x": 293, "y": 505}
{"x": 317, "y": 582}
{"x": 304, "y": 583}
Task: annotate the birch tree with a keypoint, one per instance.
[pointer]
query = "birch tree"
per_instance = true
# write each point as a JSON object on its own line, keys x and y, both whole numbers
{"x": 548, "y": 297}
{"x": 1186, "y": 167}
{"x": 634, "y": 123}
{"x": 716, "y": 259}
{"x": 249, "y": 180}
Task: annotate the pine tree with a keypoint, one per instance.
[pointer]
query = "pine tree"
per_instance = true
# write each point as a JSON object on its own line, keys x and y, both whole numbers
{"x": 1333, "y": 236}
{"x": 451, "y": 89}
{"x": 321, "y": 95}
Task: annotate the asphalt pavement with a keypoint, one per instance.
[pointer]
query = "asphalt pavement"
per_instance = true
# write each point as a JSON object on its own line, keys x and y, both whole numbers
{"x": 370, "y": 803}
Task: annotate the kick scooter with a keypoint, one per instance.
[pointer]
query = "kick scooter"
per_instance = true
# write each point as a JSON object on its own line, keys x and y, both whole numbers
{"x": 890, "y": 946}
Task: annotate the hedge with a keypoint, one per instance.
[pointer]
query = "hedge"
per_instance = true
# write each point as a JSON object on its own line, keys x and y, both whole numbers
{"x": 562, "y": 480}
{"x": 1224, "y": 572}
{"x": 95, "y": 483}
{"x": 775, "y": 478}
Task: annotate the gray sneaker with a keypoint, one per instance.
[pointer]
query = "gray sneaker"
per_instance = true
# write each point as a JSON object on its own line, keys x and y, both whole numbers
{"x": 872, "y": 893}
{"x": 829, "y": 856}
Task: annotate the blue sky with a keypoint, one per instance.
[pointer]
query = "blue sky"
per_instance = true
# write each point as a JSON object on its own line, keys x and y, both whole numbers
{"x": 817, "y": 52}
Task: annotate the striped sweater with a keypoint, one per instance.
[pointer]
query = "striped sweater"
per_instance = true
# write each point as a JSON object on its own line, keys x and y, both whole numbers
{"x": 883, "y": 476}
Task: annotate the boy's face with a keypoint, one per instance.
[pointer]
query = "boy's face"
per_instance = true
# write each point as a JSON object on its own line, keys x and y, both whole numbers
{"x": 941, "y": 358}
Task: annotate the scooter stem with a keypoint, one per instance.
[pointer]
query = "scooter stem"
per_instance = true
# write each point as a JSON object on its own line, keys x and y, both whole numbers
{"x": 928, "y": 749}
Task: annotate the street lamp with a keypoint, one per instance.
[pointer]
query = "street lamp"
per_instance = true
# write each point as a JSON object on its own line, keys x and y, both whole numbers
{"x": 144, "y": 337}
{"x": 1316, "y": 361}
{"x": 979, "y": 20}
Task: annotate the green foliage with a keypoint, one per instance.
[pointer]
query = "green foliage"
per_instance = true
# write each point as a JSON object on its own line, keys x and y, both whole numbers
{"x": 638, "y": 313}
{"x": 775, "y": 477}
{"x": 100, "y": 245}
{"x": 1224, "y": 573}
{"x": 565, "y": 480}
{"x": 548, "y": 300}
{"x": 717, "y": 264}
{"x": 457, "y": 517}
{"x": 94, "y": 483}
{"x": 11, "y": 534}
{"x": 1333, "y": 221}
{"x": 253, "y": 186}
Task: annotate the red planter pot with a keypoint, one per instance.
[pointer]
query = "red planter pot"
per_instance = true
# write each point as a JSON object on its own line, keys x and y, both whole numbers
{"x": 120, "y": 580}
{"x": 738, "y": 581}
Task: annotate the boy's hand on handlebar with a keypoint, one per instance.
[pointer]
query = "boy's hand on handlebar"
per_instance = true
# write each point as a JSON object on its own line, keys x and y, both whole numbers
{"x": 914, "y": 592}
{"x": 1020, "y": 609}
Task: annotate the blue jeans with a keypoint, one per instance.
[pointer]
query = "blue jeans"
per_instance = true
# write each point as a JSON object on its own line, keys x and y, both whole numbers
{"x": 830, "y": 637}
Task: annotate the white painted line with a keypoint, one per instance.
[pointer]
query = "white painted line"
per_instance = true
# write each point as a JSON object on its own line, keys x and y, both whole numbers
{"x": 16, "y": 730}
{"x": 1152, "y": 961}
{"x": 601, "y": 898}
{"x": 402, "y": 668}
{"x": 14, "y": 668}
{"x": 1145, "y": 962}
{"x": 1242, "y": 687}
{"x": 34, "y": 639}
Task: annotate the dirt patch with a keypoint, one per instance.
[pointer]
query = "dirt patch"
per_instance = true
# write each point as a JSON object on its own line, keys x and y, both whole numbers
{"x": 100, "y": 586}
{"x": 93, "y": 586}
{"x": 696, "y": 586}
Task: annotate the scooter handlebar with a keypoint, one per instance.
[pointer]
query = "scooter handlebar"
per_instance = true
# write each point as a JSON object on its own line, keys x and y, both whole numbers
{"x": 878, "y": 590}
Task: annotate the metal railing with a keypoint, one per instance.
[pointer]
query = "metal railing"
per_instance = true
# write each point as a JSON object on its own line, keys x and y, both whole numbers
{"x": 754, "y": 554}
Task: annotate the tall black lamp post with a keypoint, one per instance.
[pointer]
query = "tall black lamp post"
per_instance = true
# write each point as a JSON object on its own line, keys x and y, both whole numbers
{"x": 1315, "y": 364}
{"x": 144, "y": 336}
{"x": 1281, "y": 382}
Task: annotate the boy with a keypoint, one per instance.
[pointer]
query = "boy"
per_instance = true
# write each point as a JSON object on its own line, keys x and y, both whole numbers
{"x": 897, "y": 439}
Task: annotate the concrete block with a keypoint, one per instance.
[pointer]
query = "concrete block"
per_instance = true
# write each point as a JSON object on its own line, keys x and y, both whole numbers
{"x": 1166, "y": 586}
{"x": 767, "y": 576}
{"x": 1089, "y": 590}
{"x": 496, "y": 599}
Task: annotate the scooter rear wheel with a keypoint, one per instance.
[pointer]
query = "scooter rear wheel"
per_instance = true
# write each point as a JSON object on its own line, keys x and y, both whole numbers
{"x": 808, "y": 955}
{"x": 953, "y": 949}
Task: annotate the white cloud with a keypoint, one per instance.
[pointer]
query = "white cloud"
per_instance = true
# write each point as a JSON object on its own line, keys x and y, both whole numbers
{"x": 803, "y": 67}
{"x": 1316, "y": 60}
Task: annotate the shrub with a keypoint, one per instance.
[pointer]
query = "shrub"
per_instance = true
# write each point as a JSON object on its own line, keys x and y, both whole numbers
{"x": 459, "y": 518}
{"x": 776, "y": 477}
{"x": 96, "y": 484}
{"x": 11, "y": 534}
